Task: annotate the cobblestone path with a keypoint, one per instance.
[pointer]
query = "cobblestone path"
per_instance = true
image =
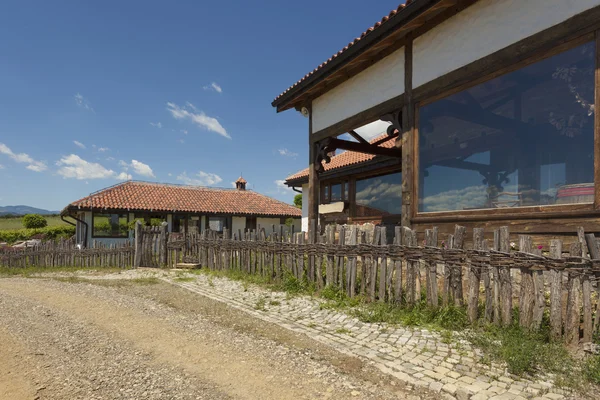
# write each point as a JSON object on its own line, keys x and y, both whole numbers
{"x": 413, "y": 355}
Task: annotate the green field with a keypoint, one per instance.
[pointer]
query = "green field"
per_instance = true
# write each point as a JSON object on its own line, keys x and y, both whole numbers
{"x": 17, "y": 223}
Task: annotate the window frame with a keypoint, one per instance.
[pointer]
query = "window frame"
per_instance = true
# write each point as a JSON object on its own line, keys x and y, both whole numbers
{"x": 325, "y": 193}
{"x": 94, "y": 236}
{"x": 512, "y": 212}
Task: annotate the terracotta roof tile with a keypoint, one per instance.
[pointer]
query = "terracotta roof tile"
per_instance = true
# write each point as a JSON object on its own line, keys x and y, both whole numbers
{"x": 146, "y": 196}
{"x": 352, "y": 43}
{"x": 345, "y": 159}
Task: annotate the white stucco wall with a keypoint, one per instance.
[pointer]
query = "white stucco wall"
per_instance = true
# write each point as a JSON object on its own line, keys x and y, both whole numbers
{"x": 378, "y": 83}
{"x": 484, "y": 28}
{"x": 304, "y": 224}
{"x": 267, "y": 223}
{"x": 238, "y": 223}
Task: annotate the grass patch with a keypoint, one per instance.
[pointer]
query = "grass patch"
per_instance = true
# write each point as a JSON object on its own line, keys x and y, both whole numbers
{"x": 145, "y": 281}
{"x": 260, "y": 304}
{"x": 184, "y": 278}
{"x": 32, "y": 271}
{"x": 274, "y": 303}
{"x": 343, "y": 331}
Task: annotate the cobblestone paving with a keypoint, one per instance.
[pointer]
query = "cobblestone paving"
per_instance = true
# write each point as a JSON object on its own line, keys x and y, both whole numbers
{"x": 413, "y": 355}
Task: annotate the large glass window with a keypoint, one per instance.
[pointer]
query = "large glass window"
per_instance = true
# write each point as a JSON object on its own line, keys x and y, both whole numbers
{"x": 110, "y": 225}
{"x": 523, "y": 139}
{"x": 379, "y": 196}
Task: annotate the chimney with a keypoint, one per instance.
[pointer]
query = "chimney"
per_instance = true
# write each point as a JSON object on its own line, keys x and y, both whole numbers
{"x": 240, "y": 184}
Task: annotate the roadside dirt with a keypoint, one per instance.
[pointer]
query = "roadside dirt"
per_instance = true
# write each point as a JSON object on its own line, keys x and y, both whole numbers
{"x": 124, "y": 340}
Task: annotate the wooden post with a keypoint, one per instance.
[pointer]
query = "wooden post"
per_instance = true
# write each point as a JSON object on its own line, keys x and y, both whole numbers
{"x": 351, "y": 268}
{"x": 456, "y": 271}
{"x": 526, "y": 298}
{"x": 330, "y": 240}
{"x": 382, "y": 265}
{"x": 431, "y": 240}
{"x": 398, "y": 267}
{"x": 474, "y": 278}
{"x": 137, "y": 260}
{"x": 407, "y": 137}
{"x": 163, "y": 244}
{"x": 505, "y": 282}
{"x": 573, "y": 302}
{"x": 594, "y": 251}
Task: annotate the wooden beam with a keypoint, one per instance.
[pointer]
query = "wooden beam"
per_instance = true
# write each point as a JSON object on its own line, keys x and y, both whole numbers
{"x": 313, "y": 181}
{"x": 363, "y": 148}
{"x": 357, "y": 137}
{"x": 597, "y": 127}
{"x": 408, "y": 143}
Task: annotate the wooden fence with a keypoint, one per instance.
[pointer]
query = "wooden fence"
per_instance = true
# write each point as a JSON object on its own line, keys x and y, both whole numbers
{"x": 64, "y": 254}
{"x": 545, "y": 283}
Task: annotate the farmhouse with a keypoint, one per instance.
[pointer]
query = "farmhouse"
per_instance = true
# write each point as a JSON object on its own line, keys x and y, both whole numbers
{"x": 107, "y": 215}
{"x": 491, "y": 115}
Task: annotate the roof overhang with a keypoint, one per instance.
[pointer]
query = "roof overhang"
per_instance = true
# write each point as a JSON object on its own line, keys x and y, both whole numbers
{"x": 374, "y": 46}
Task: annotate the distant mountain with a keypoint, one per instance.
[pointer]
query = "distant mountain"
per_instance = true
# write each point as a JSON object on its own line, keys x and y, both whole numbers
{"x": 22, "y": 210}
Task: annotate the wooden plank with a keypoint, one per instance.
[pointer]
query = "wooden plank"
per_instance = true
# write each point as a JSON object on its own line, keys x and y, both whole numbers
{"x": 382, "y": 266}
{"x": 374, "y": 266}
{"x": 573, "y": 301}
{"x": 137, "y": 261}
{"x": 526, "y": 296}
{"x": 398, "y": 267}
{"x": 597, "y": 125}
{"x": 474, "y": 278}
{"x": 351, "y": 270}
{"x": 594, "y": 251}
{"x": 330, "y": 235}
{"x": 505, "y": 280}
{"x": 456, "y": 270}
{"x": 431, "y": 239}
{"x": 407, "y": 141}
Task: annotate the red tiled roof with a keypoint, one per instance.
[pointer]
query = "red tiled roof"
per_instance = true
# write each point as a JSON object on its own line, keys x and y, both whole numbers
{"x": 352, "y": 43}
{"x": 146, "y": 196}
{"x": 345, "y": 159}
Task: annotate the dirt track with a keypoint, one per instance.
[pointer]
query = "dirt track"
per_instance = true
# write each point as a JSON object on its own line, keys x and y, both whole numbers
{"x": 125, "y": 340}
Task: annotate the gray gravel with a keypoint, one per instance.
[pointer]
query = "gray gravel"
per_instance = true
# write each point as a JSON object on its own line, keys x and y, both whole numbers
{"x": 124, "y": 340}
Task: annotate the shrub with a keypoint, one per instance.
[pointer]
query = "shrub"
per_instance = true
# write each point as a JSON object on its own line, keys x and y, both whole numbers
{"x": 34, "y": 221}
{"x": 49, "y": 233}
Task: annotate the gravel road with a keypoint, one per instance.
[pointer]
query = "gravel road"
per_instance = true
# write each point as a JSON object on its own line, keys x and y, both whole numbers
{"x": 73, "y": 338}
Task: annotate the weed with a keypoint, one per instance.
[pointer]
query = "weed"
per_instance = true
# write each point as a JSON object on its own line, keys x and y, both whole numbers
{"x": 185, "y": 278}
{"x": 591, "y": 369}
{"x": 210, "y": 281}
{"x": 312, "y": 325}
{"x": 343, "y": 331}
{"x": 260, "y": 304}
{"x": 274, "y": 303}
{"x": 146, "y": 281}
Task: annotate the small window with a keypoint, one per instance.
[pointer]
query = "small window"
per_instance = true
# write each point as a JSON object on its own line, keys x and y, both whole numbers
{"x": 217, "y": 224}
{"x": 336, "y": 192}
{"x": 110, "y": 226}
{"x": 379, "y": 196}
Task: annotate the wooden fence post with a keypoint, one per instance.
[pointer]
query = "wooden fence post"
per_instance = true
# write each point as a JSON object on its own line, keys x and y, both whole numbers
{"x": 573, "y": 302}
{"x": 594, "y": 252}
{"x": 456, "y": 270}
{"x": 526, "y": 295}
{"x": 431, "y": 239}
{"x": 137, "y": 259}
{"x": 474, "y": 278}
{"x": 505, "y": 282}
{"x": 556, "y": 277}
{"x": 163, "y": 244}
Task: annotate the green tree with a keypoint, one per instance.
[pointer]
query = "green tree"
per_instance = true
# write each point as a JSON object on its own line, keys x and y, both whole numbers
{"x": 298, "y": 200}
{"x": 33, "y": 221}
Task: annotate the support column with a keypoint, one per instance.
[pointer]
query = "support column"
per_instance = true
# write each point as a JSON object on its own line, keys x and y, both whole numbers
{"x": 407, "y": 141}
{"x": 313, "y": 183}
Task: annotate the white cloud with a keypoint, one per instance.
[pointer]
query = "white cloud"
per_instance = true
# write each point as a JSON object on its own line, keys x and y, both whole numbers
{"x": 181, "y": 141}
{"x": 33, "y": 165}
{"x": 124, "y": 176}
{"x": 282, "y": 187}
{"x": 110, "y": 159}
{"x": 73, "y": 166}
{"x": 156, "y": 124}
{"x": 213, "y": 86}
{"x": 1, "y": 166}
{"x": 190, "y": 112}
{"x": 287, "y": 153}
{"x": 184, "y": 131}
{"x": 200, "y": 179}
{"x": 233, "y": 185}
{"x": 142, "y": 169}
{"x": 79, "y": 144}
{"x": 103, "y": 149}
{"x": 83, "y": 102}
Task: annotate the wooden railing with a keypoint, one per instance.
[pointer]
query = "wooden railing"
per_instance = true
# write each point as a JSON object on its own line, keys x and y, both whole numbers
{"x": 66, "y": 254}
{"x": 546, "y": 283}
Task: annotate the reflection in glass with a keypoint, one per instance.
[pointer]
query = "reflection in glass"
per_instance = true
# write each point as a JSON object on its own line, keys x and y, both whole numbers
{"x": 379, "y": 196}
{"x": 523, "y": 139}
{"x": 336, "y": 192}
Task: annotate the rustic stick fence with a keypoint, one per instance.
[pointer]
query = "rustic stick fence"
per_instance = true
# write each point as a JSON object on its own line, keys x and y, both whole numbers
{"x": 491, "y": 278}
{"x": 64, "y": 254}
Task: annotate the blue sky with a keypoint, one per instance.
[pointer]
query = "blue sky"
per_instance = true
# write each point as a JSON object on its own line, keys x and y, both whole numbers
{"x": 169, "y": 91}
